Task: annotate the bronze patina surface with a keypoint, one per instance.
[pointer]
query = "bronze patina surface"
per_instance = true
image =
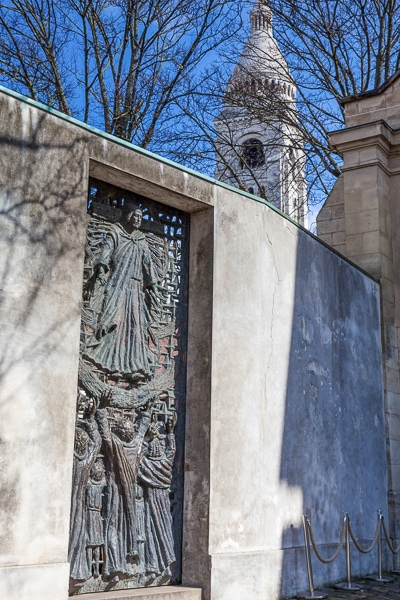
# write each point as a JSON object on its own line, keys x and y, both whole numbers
{"x": 125, "y": 531}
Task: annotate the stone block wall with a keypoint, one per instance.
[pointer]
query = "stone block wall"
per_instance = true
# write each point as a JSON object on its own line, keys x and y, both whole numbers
{"x": 330, "y": 219}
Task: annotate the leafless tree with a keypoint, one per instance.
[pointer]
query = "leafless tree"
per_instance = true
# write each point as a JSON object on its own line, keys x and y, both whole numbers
{"x": 334, "y": 49}
{"x": 155, "y": 71}
{"x": 122, "y": 65}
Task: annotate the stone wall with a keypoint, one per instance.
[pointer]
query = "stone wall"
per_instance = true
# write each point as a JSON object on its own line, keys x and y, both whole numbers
{"x": 284, "y": 386}
{"x": 330, "y": 219}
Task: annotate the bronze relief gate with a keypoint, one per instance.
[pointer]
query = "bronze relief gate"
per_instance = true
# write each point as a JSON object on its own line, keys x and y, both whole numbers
{"x": 127, "y": 491}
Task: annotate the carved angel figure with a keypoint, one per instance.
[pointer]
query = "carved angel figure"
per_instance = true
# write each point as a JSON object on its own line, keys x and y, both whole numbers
{"x": 120, "y": 342}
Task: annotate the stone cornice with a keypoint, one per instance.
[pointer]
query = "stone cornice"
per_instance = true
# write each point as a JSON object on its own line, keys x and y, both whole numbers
{"x": 358, "y": 136}
{"x": 373, "y": 144}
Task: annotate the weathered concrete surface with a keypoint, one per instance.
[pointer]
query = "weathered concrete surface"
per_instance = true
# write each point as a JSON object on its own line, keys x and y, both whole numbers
{"x": 37, "y": 582}
{"x": 284, "y": 403}
{"x": 297, "y": 417}
{"x": 42, "y": 232}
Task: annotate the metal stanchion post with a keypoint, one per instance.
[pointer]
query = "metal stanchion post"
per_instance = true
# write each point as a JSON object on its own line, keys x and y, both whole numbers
{"x": 351, "y": 587}
{"x": 380, "y": 547}
{"x": 379, "y": 579}
{"x": 313, "y": 595}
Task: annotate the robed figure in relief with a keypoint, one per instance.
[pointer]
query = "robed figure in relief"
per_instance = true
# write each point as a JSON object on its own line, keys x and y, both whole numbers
{"x": 125, "y": 269}
{"x": 122, "y": 449}
{"x": 155, "y": 474}
{"x": 87, "y": 446}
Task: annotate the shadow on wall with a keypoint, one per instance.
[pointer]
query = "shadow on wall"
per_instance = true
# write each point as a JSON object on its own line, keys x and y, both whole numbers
{"x": 42, "y": 223}
{"x": 333, "y": 445}
{"x": 39, "y": 233}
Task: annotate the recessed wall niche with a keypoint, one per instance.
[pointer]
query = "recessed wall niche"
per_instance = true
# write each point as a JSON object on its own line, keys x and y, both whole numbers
{"x": 127, "y": 492}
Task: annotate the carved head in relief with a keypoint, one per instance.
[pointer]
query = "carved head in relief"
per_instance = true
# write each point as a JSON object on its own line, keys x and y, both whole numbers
{"x": 81, "y": 442}
{"x": 124, "y": 429}
{"x": 133, "y": 216}
{"x": 97, "y": 471}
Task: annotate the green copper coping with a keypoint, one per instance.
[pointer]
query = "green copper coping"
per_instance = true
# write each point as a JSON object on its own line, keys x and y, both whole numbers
{"x": 175, "y": 165}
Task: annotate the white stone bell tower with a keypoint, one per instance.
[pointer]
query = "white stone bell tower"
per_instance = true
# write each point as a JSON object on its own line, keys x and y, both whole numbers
{"x": 259, "y": 147}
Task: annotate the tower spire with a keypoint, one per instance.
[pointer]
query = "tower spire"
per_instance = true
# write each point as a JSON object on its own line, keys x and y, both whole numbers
{"x": 261, "y": 17}
{"x": 258, "y": 146}
{"x": 261, "y": 60}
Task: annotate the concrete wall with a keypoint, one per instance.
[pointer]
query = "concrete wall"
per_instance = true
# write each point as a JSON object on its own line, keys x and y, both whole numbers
{"x": 297, "y": 391}
{"x": 284, "y": 401}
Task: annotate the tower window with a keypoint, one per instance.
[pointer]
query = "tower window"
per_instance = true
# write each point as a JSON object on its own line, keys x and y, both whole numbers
{"x": 252, "y": 154}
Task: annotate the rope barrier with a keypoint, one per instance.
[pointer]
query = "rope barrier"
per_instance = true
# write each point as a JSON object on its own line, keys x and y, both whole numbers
{"x": 306, "y": 531}
{"x": 372, "y": 546}
{"x": 348, "y": 585}
{"x": 326, "y": 561}
{"x": 388, "y": 541}
{"x": 346, "y": 534}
